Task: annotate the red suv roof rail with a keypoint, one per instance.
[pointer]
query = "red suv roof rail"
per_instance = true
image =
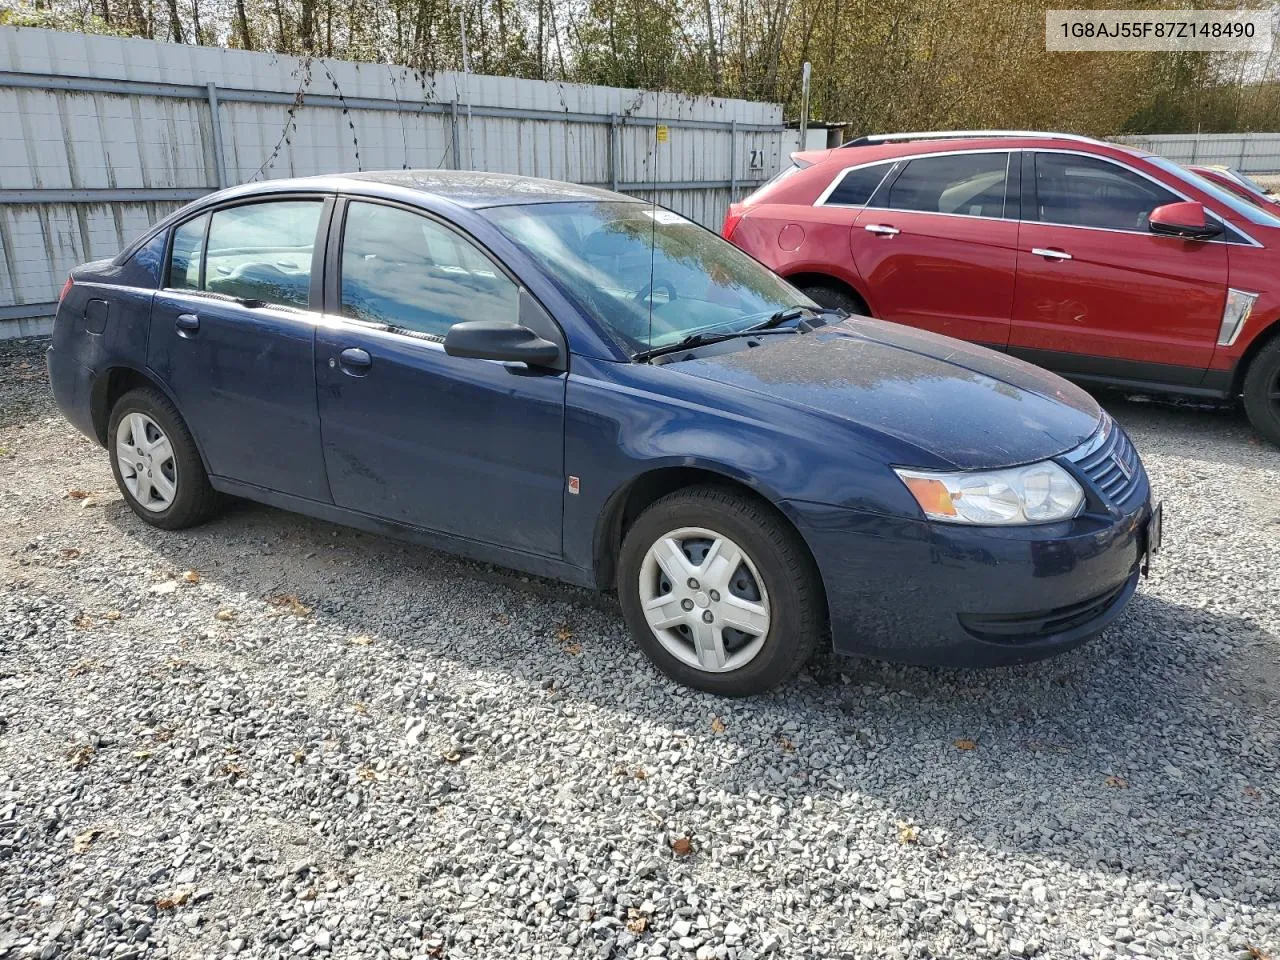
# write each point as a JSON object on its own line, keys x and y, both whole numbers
{"x": 874, "y": 138}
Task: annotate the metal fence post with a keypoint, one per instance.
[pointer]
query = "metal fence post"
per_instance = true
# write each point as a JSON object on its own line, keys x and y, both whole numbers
{"x": 215, "y": 123}
{"x": 614, "y": 159}
{"x": 733, "y": 161}
{"x": 453, "y": 125}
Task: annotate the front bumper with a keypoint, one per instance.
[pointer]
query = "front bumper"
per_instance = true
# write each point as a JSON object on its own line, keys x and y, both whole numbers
{"x": 946, "y": 594}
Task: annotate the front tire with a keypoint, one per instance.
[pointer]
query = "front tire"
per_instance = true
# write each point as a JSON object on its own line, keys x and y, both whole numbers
{"x": 720, "y": 592}
{"x": 1262, "y": 391}
{"x": 155, "y": 462}
{"x": 836, "y": 298}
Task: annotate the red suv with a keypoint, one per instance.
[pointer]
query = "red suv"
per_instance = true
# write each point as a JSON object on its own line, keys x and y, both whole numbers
{"x": 1109, "y": 265}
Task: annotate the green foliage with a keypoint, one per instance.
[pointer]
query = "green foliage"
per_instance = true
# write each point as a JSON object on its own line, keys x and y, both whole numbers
{"x": 877, "y": 64}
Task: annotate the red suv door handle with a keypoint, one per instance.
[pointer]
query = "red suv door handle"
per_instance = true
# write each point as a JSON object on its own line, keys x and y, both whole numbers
{"x": 1051, "y": 254}
{"x": 883, "y": 229}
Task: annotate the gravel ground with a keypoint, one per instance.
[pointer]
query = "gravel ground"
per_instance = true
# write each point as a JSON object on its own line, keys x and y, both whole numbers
{"x": 275, "y": 737}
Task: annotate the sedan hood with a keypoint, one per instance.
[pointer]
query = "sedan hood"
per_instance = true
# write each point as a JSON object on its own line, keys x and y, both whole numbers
{"x": 952, "y": 401}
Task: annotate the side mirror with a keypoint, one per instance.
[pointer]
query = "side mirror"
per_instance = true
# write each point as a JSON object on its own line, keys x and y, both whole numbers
{"x": 1185, "y": 219}
{"x": 499, "y": 340}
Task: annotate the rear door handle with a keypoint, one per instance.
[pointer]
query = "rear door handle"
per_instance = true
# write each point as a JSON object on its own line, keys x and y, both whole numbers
{"x": 354, "y": 361}
{"x": 1050, "y": 254}
{"x": 187, "y": 324}
{"x": 883, "y": 229}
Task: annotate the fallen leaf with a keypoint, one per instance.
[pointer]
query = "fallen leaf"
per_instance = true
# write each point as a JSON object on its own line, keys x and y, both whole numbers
{"x": 162, "y": 735}
{"x": 572, "y": 649}
{"x": 289, "y": 603}
{"x": 682, "y": 846}
{"x": 641, "y": 774}
{"x": 908, "y": 832}
{"x": 78, "y": 494}
{"x": 786, "y": 745}
{"x": 226, "y": 616}
{"x": 360, "y": 708}
{"x": 369, "y": 774}
{"x": 111, "y": 615}
{"x": 80, "y": 756}
{"x": 451, "y": 756}
{"x": 362, "y": 640}
{"x": 174, "y": 900}
{"x": 1119, "y": 783}
{"x": 83, "y": 667}
{"x": 191, "y": 576}
{"x": 83, "y": 622}
{"x": 563, "y": 633}
{"x": 299, "y": 756}
{"x": 83, "y": 841}
{"x": 637, "y": 922}
{"x": 141, "y": 754}
{"x": 70, "y": 553}
{"x": 1253, "y": 793}
{"x": 233, "y": 770}
{"x": 717, "y": 725}
{"x": 964, "y": 743}
{"x": 1255, "y": 953}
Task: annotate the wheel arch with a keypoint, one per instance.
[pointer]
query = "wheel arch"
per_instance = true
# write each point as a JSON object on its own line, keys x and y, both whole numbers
{"x": 1267, "y": 335}
{"x": 632, "y": 498}
{"x": 114, "y": 383}
{"x": 803, "y": 278}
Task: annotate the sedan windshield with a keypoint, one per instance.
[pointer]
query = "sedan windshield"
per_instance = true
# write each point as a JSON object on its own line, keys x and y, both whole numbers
{"x": 647, "y": 275}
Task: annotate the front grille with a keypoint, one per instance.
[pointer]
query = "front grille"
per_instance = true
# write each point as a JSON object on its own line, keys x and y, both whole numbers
{"x": 1026, "y": 627}
{"x": 1110, "y": 462}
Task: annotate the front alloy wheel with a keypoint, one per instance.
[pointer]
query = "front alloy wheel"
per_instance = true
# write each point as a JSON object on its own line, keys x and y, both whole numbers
{"x": 720, "y": 591}
{"x": 704, "y": 599}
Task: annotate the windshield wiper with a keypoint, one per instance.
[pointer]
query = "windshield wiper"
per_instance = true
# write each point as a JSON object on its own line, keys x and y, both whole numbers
{"x": 796, "y": 312}
{"x": 702, "y": 340}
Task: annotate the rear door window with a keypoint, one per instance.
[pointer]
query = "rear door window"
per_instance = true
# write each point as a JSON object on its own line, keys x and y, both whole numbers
{"x": 262, "y": 251}
{"x": 964, "y": 184}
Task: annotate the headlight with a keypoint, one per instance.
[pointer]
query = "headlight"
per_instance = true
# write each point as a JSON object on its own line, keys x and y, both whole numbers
{"x": 1036, "y": 493}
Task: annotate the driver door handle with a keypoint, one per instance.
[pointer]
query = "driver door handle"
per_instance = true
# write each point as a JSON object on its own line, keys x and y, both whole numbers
{"x": 1051, "y": 254}
{"x": 882, "y": 229}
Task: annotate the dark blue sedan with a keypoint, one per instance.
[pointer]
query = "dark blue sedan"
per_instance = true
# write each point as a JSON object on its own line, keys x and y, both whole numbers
{"x": 584, "y": 386}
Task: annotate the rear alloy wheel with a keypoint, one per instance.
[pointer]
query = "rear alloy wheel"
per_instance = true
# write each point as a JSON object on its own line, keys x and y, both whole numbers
{"x": 719, "y": 591}
{"x": 1262, "y": 391}
{"x": 155, "y": 461}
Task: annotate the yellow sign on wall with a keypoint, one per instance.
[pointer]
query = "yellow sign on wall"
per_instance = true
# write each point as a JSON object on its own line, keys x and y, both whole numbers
{"x": 662, "y": 133}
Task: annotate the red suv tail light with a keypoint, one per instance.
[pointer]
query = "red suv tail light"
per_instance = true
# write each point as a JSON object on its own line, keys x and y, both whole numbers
{"x": 66, "y": 288}
{"x": 732, "y": 219}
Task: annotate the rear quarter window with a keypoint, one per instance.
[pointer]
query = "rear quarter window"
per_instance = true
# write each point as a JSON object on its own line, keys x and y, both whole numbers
{"x": 854, "y": 188}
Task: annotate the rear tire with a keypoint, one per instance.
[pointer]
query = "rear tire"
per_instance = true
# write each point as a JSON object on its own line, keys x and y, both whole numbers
{"x": 744, "y": 607}
{"x": 155, "y": 462}
{"x": 1262, "y": 391}
{"x": 836, "y": 298}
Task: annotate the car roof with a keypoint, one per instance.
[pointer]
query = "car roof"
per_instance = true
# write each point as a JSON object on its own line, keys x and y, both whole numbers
{"x": 472, "y": 189}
